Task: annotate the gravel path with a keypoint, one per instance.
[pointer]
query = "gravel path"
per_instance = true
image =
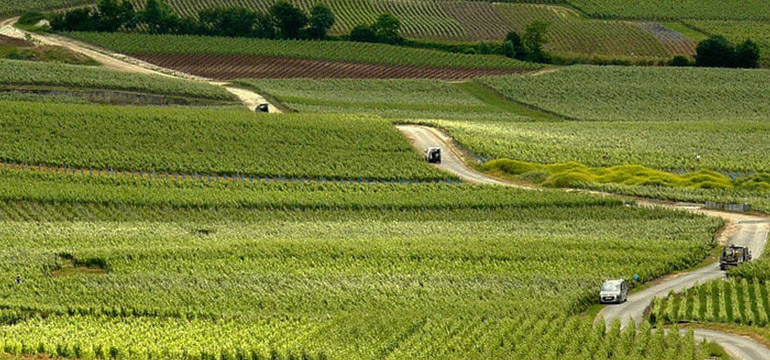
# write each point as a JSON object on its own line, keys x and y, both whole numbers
{"x": 120, "y": 62}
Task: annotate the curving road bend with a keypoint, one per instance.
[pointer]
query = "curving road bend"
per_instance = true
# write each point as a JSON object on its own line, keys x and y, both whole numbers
{"x": 120, "y": 62}
{"x": 744, "y": 230}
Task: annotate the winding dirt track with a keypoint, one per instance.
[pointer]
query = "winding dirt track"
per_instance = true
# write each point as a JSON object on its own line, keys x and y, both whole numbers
{"x": 120, "y": 62}
{"x": 746, "y": 230}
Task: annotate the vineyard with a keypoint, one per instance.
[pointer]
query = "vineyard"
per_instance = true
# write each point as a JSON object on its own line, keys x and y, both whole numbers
{"x": 228, "y": 67}
{"x": 24, "y": 73}
{"x": 208, "y": 141}
{"x": 466, "y": 21}
{"x": 676, "y": 144}
{"x": 16, "y": 7}
{"x": 364, "y": 53}
{"x": 626, "y": 93}
{"x": 739, "y": 31}
{"x": 736, "y": 301}
{"x": 396, "y": 99}
{"x": 680, "y": 9}
{"x": 231, "y": 267}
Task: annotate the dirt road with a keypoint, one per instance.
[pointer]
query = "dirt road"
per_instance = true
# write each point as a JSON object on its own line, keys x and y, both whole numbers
{"x": 120, "y": 62}
{"x": 747, "y": 230}
{"x": 423, "y": 137}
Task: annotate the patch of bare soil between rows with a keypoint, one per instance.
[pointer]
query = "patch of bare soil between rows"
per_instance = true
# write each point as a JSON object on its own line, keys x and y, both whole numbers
{"x": 226, "y": 67}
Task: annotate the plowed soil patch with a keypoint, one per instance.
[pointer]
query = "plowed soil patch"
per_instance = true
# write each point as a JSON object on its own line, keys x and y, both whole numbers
{"x": 6, "y": 40}
{"x": 225, "y": 67}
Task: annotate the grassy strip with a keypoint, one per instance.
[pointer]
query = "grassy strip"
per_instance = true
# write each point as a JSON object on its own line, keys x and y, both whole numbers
{"x": 14, "y": 72}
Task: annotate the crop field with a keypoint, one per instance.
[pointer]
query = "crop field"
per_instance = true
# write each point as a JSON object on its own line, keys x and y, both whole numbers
{"x": 675, "y": 144}
{"x": 365, "y": 53}
{"x": 208, "y": 141}
{"x": 571, "y": 33}
{"x": 644, "y": 94}
{"x": 736, "y": 301}
{"x": 739, "y": 31}
{"x": 15, "y": 73}
{"x": 395, "y": 99}
{"x": 229, "y": 67}
{"x": 680, "y": 9}
{"x": 168, "y": 269}
{"x": 17, "y": 7}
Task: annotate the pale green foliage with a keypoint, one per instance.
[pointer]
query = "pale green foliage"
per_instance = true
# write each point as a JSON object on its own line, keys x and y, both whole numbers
{"x": 679, "y": 9}
{"x": 398, "y": 99}
{"x": 644, "y": 93}
{"x": 736, "y": 301}
{"x": 209, "y": 141}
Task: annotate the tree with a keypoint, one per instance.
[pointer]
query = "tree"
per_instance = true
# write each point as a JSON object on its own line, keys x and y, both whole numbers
{"x": 75, "y": 20}
{"x": 263, "y": 28}
{"x": 288, "y": 19}
{"x": 512, "y": 46}
{"x": 747, "y": 55}
{"x": 363, "y": 33}
{"x": 680, "y": 61}
{"x": 386, "y": 28}
{"x": 158, "y": 17}
{"x": 534, "y": 39}
{"x": 112, "y": 15}
{"x": 715, "y": 51}
{"x": 228, "y": 21}
{"x": 321, "y": 20}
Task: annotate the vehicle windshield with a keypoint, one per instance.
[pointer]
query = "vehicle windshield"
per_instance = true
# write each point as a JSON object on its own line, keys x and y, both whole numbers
{"x": 610, "y": 287}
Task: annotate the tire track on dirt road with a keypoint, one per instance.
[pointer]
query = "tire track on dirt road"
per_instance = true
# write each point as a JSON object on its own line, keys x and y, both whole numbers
{"x": 120, "y": 62}
{"x": 747, "y": 230}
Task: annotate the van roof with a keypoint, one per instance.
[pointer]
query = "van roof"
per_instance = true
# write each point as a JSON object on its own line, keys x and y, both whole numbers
{"x": 614, "y": 281}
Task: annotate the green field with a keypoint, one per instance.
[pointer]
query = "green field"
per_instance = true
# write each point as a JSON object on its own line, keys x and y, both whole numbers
{"x": 208, "y": 141}
{"x": 320, "y": 50}
{"x": 17, "y": 7}
{"x": 680, "y": 9}
{"x": 737, "y": 301}
{"x": 739, "y": 31}
{"x": 570, "y": 34}
{"x": 15, "y": 74}
{"x": 396, "y": 99}
{"x": 491, "y": 127}
{"x": 644, "y": 93}
{"x": 372, "y": 271}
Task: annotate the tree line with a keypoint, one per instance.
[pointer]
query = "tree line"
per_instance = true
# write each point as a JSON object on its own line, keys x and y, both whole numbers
{"x": 282, "y": 21}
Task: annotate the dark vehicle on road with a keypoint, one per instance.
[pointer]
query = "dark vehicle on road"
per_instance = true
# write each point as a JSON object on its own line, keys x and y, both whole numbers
{"x": 262, "y": 108}
{"x": 613, "y": 291}
{"x": 733, "y": 256}
{"x": 433, "y": 155}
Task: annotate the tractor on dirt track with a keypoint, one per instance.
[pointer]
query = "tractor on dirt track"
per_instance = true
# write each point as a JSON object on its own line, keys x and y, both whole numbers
{"x": 733, "y": 256}
{"x": 433, "y": 155}
{"x": 263, "y": 108}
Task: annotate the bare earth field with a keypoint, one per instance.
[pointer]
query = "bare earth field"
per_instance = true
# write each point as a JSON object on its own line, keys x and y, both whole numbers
{"x": 225, "y": 67}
